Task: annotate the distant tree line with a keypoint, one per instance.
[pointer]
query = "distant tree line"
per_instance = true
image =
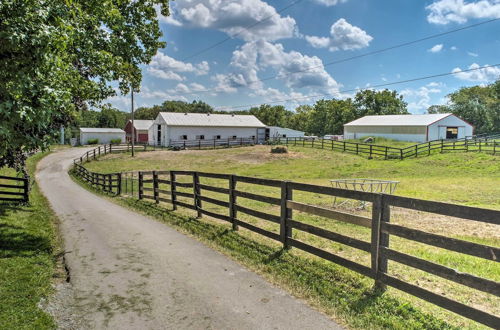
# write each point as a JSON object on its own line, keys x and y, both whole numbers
{"x": 479, "y": 105}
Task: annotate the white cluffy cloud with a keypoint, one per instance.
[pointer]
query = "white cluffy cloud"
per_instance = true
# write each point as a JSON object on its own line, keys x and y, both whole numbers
{"x": 294, "y": 68}
{"x": 436, "y": 48}
{"x": 245, "y": 19}
{"x": 166, "y": 67}
{"x": 420, "y": 99}
{"x": 481, "y": 75}
{"x": 343, "y": 36}
{"x": 329, "y": 2}
{"x": 459, "y": 11}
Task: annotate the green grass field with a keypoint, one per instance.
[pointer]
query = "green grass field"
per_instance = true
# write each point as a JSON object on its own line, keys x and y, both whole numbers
{"x": 468, "y": 178}
{"x": 28, "y": 245}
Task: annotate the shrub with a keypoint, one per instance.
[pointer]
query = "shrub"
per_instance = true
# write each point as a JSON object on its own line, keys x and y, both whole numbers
{"x": 279, "y": 150}
{"x": 93, "y": 141}
{"x": 116, "y": 141}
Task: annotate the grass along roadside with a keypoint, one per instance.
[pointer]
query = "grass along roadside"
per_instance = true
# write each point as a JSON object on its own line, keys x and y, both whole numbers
{"x": 28, "y": 248}
{"x": 334, "y": 290}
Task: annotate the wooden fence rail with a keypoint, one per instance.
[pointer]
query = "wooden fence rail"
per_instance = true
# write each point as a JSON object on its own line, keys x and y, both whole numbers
{"x": 486, "y": 144}
{"x": 184, "y": 189}
{"x": 14, "y": 189}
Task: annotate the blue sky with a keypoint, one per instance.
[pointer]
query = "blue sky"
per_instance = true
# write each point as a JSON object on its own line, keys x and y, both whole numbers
{"x": 306, "y": 37}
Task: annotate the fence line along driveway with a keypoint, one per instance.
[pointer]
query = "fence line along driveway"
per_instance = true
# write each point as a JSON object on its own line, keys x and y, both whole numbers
{"x": 130, "y": 272}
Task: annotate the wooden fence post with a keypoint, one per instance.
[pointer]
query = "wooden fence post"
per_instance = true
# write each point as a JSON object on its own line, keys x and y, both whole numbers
{"x": 110, "y": 148}
{"x": 386, "y": 149}
{"x": 286, "y": 213}
{"x": 26, "y": 188}
{"x": 401, "y": 154}
{"x": 232, "y": 201}
{"x": 140, "y": 185}
{"x": 416, "y": 150}
{"x": 442, "y": 145}
{"x": 173, "y": 197}
{"x": 197, "y": 193}
{"x": 110, "y": 183}
{"x": 429, "y": 149}
{"x": 379, "y": 240}
{"x": 156, "y": 194}
{"x": 119, "y": 184}
{"x": 371, "y": 151}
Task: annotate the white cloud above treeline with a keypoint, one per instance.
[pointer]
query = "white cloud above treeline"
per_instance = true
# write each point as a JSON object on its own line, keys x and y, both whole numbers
{"x": 343, "y": 36}
{"x": 460, "y": 11}
{"x": 329, "y": 2}
{"x": 488, "y": 74}
{"x": 166, "y": 67}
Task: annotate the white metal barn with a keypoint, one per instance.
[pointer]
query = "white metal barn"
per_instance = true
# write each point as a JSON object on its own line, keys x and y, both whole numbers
{"x": 104, "y": 135}
{"x": 416, "y": 128}
{"x": 276, "y": 131}
{"x": 175, "y": 126}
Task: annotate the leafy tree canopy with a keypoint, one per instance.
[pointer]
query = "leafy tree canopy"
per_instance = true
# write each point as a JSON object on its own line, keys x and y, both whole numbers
{"x": 478, "y": 105}
{"x": 58, "y": 58}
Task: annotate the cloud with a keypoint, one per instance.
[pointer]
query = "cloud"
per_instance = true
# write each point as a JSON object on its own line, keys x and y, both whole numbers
{"x": 420, "y": 99}
{"x": 234, "y": 18}
{"x": 453, "y": 48}
{"x": 459, "y": 11}
{"x": 295, "y": 69}
{"x": 436, "y": 48}
{"x": 329, "y": 2}
{"x": 472, "y": 54}
{"x": 166, "y": 67}
{"x": 481, "y": 75}
{"x": 343, "y": 36}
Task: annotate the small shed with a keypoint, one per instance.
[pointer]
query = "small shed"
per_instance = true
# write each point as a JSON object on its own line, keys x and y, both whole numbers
{"x": 175, "y": 126}
{"x": 141, "y": 130}
{"x": 283, "y": 132}
{"x": 103, "y": 135}
{"x": 415, "y": 128}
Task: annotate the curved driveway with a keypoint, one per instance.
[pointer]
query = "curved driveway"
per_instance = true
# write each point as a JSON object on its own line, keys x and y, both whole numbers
{"x": 131, "y": 272}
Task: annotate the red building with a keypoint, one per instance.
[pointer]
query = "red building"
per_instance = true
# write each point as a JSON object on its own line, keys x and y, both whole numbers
{"x": 141, "y": 130}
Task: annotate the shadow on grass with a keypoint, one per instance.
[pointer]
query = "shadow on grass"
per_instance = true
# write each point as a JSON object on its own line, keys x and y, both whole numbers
{"x": 338, "y": 290}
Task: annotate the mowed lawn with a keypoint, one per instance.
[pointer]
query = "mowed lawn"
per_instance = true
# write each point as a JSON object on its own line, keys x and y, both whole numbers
{"x": 28, "y": 245}
{"x": 464, "y": 178}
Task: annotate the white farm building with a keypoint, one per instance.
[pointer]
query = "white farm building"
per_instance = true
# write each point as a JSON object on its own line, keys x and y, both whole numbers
{"x": 416, "y": 128}
{"x": 276, "y": 132}
{"x": 103, "y": 135}
{"x": 177, "y": 126}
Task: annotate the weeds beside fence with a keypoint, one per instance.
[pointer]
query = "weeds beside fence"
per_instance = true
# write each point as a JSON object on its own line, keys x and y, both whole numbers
{"x": 189, "y": 189}
{"x": 486, "y": 144}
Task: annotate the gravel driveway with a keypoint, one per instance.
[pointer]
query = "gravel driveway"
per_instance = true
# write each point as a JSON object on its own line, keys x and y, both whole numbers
{"x": 128, "y": 271}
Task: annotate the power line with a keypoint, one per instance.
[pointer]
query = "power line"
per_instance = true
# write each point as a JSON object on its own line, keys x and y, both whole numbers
{"x": 352, "y": 57}
{"x": 241, "y": 31}
{"x": 361, "y": 89}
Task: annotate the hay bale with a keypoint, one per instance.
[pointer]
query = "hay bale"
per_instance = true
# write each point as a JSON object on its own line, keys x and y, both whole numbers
{"x": 279, "y": 150}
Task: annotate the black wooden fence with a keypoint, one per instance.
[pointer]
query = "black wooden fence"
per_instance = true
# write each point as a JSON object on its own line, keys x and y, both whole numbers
{"x": 174, "y": 187}
{"x": 13, "y": 189}
{"x": 487, "y": 145}
{"x": 213, "y": 143}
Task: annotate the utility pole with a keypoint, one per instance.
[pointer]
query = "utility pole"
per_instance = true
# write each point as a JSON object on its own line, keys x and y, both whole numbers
{"x": 133, "y": 126}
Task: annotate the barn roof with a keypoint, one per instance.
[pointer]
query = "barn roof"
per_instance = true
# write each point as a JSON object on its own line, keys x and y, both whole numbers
{"x": 100, "y": 130}
{"x": 213, "y": 120}
{"x": 398, "y": 120}
{"x": 142, "y": 124}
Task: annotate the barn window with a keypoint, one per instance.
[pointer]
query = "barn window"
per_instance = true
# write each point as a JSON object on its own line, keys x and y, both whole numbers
{"x": 234, "y": 137}
{"x": 283, "y": 135}
{"x": 200, "y": 137}
{"x": 184, "y": 137}
{"x": 217, "y": 137}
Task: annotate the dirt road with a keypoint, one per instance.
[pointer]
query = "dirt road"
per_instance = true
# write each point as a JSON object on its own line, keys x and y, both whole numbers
{"x": 131, "y": 272}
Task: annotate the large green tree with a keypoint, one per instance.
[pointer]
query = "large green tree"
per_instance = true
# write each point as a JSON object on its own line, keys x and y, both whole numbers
{"x": 479, "y": 105}
{"x": 60, "y": 57}
{"x": 369, "y": 102}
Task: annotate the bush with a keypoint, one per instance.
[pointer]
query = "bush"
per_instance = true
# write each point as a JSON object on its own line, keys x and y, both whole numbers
{"x": 93, "y": 141}
{"x": 279, "y": 150}
{"x": 116, "y": 141}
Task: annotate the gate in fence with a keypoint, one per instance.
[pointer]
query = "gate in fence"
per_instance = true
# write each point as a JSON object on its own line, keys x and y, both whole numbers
{"x": 13, "y": 189}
